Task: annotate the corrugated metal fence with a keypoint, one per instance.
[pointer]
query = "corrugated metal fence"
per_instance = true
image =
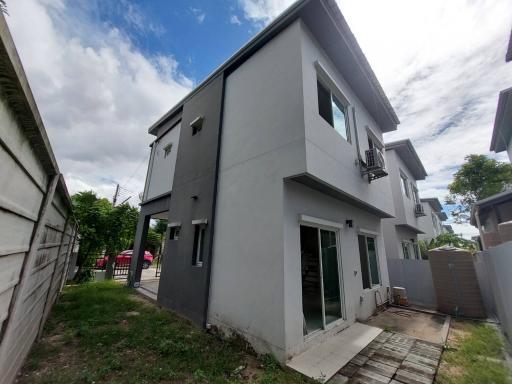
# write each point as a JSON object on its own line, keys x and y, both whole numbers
{"x": 37, "y": 230}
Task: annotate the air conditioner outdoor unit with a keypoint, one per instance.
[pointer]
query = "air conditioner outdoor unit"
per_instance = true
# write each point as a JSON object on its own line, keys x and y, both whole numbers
{"x": 375, "y": 166}
{"x": 375, "y": 159}
{"x": 418, "y": 210}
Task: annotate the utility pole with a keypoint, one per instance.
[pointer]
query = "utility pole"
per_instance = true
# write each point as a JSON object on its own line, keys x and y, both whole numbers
{"x": 114, "y": 200}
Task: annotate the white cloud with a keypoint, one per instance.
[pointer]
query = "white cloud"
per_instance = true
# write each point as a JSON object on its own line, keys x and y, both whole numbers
{"x": 263, "y": 11}
{"x": 198, "y": 14}
{"x": 441, "y": 63}
{"x": 138, "y": 20}
{"x": 235, "y": 20}
{"x": 97, "y": 93}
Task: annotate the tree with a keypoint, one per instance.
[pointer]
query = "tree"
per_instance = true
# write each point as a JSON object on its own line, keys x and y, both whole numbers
{"x": 443, "y": 239}
{"x": 91, "y": 213}
{"x": 479, "y": 177}
{"x": 120, "y": 231}
{"x": 102, "y": 228}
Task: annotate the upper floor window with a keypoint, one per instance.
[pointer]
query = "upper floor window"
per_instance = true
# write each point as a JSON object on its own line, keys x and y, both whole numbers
{"x": 404, "y": 185}
{"x": 332, "y": 110}
{"x": 415, "y": 195}
{"x": 373, "y": 141}
{"x": 197, "y": 125}
{"x": 167, "y": 149}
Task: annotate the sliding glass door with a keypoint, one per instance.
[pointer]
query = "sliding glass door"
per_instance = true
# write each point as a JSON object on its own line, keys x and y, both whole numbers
{"x": 321, "y": 287}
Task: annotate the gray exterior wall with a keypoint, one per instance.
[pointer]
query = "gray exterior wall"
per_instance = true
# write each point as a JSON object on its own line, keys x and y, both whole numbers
{"x": 416, "y": 277}
{"x": 183, "y": 286}
{"x": 37, "y": 229}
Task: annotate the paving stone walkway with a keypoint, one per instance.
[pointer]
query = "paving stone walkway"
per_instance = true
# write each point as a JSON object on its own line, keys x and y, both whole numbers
{"x": 392, "y": 358}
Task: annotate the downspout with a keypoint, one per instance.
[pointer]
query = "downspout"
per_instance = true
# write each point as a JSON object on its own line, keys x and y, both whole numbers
{"x": 359, "y": 157}
{"x": 215, "y": 191}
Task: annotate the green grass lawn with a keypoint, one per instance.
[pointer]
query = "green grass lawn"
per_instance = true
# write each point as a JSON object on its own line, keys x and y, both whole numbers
{"x": 474, "y": 355}
{"x": 106, "y": 333}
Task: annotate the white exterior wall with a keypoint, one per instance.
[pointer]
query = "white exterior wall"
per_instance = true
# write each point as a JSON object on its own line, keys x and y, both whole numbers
{"x": 161, "y": 169}
{"x": 329, "y": 156}
{"x": 256, "y": 268}
{"x": 299, "y": 199}
{"x": 427, "y": 224}
{"x": 262, "y": 142}
{"x": 404, "y": 206}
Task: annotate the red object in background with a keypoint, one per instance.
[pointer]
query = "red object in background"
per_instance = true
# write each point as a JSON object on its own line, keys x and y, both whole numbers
{"x": 125, "y": 258}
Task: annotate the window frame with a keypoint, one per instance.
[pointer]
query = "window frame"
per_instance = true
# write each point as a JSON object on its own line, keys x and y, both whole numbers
{"x": 367, "y": 235}
{"x": 415, "y": 194}
{"x": 404, "y": 185}
{"x": 405, "y": 246}
{"x": 324, "y": 79}
{"x": 167, "y": 150}
{"x": 331, "y": 226}
{"x": 198, "y": 247}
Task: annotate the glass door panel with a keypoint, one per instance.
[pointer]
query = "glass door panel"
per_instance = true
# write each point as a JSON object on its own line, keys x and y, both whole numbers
{"x": 374, "y": 262}
{"x": 330, "y": 276}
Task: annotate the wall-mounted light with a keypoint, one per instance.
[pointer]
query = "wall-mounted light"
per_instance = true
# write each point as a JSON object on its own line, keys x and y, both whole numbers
{"x": 349, "y": 223}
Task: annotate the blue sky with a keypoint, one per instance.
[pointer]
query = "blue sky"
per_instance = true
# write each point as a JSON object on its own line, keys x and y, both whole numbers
{"x": 201, "y": 35}
{"x": 102, "y": 71}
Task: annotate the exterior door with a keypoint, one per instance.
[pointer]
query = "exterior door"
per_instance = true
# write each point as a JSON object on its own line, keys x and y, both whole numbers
{"x": 322, "y": 300}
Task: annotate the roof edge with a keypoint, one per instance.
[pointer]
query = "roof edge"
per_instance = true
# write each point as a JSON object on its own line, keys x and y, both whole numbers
{"x": 267, "y": 33}
{"x": 496, "y": 146}
{"x": 406, "y": 143}
{"x": 287, "y": 14}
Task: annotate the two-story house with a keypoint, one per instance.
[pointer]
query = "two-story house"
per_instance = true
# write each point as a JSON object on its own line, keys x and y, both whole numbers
{"x": 431, "y": 224}
{"x": 401, "y": 232}
{"x": 502, "y": 134}
{"x": 493, "y": 215}
{"x": 273, "y": 180}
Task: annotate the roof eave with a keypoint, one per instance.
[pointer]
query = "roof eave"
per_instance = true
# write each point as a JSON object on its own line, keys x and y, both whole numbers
{"x": 417, "y": 169}
{"x": 290, "y": 14}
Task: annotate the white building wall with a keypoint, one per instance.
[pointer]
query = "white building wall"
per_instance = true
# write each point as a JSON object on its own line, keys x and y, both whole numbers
{"x": 329, "y": 156}
{"x": 427, "y": 224}
{"x": 359, "y": 303}
{"x": 262, "y": 143}
{"x": 161, "y": 167}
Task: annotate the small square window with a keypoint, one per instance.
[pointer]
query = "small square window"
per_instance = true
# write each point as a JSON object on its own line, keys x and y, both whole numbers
{"x": 197, "y": 125}
{"x": 174, "y": 233}
{"x": 167, "y": 149}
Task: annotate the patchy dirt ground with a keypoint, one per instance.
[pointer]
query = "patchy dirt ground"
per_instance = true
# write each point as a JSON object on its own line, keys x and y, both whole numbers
{"x": 420, "y": 325}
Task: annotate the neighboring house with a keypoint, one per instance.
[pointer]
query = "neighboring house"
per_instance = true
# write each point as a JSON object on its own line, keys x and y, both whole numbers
{"x": 37, "y": 228}
{"x": 493, "y": 217}
{"x": 502, "y": 134}
{"x": 273, "y": 178}
{"x": 432, "y": 223}
{"x": 401, "y": 232}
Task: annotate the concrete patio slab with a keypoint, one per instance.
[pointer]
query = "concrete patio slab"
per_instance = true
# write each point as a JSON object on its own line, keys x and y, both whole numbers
{"x": 322, "y": 361}
{"x": 420, "y": 325}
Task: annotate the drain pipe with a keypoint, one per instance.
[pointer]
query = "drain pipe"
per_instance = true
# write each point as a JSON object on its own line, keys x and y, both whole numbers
{"x": 359, "y": 158}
